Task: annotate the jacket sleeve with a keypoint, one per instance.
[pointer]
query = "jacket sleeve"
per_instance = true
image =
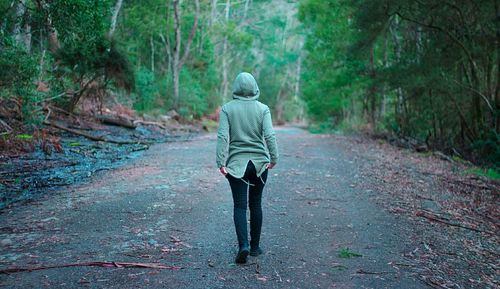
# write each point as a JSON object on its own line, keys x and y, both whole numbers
{"x": 270, "y": 136}
{"x": 222, "y": 139}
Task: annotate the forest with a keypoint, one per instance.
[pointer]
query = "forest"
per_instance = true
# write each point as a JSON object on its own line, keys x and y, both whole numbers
{"x": 386, "y": 115}
{"x": 422, "y": 73}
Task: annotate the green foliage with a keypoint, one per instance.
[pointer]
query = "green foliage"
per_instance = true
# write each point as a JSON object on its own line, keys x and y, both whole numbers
{"x": 105, "y": 60}
{"x": 146, "y": 90}
{"x": 321, "y": 127}
{"x": 488, "y": 145}
{"x": 493, "y": 174}
{"x": 193, "y": 104}
{"x": 73, "y": 54}
{"x": 81, "y": 23}
{"x": 347, "y": 253}
{"x": 86, "y": 53}
{"x": 18, "y": 71}
{"x": 24, "y": 136}
{"x": 408, "y": 68}
{"x": 330, "y": 80}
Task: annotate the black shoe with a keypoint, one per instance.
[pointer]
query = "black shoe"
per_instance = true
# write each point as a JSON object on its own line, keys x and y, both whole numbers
{"x": 256, "y": 252}
{"x": 242, "y": 255}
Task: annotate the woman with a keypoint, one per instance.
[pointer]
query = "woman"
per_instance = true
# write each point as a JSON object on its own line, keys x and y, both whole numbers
{"x": 245, "y": 126}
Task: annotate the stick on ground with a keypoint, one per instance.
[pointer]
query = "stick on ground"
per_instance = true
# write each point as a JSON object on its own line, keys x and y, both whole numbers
{"x": 433, "y": 217}
{"x": 94, "y": 264}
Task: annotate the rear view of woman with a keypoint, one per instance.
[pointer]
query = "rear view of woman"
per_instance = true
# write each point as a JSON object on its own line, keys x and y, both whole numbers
{"x": 246, "y": 149}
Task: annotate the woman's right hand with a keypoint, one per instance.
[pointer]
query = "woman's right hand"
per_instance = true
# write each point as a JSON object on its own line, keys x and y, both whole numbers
{"x": 270, "y": 166}
{"x": 223, "y": 170}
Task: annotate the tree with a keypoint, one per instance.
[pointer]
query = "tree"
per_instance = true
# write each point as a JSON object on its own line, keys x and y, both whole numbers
{"x": 178, "y": 61}
{"x": 435, "y": 62}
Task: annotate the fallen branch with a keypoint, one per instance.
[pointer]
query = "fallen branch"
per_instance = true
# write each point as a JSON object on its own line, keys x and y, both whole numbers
{"x": 94, "y": 264}
{"x": 361, "y": 271}
{"x": 434, "y": 283}
{"x": 178, "y": 241}
{"x": 118, "y": 121}
{"x": 433, "y": 217}
{"x": 150, "y": 123}
{"x": 61, "y": 110}
{"x": 91, "y": 136}
{"x": 7, "y": 127}
{"x": 472, "y": 184}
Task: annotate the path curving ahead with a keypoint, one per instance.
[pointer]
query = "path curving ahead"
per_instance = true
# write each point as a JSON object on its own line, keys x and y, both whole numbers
{"x": 173, "y": 207}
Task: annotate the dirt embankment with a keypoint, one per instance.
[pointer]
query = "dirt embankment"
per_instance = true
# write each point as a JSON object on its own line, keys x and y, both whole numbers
{"x": 69, "y": 148}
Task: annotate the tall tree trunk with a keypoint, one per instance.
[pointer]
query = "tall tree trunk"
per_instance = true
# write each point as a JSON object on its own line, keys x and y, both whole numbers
{"x": 177, "y": 61}
{"x": 372, "y": 91}
{"x": 296, "y": 93}
{"x": 176, "y": 53}
{"x": 497, "y": 90}
{"x": 16, "y": 31}
{"x": 152, "y": 44}
{"x": 213, "y": 13}
{"x": 114, "y": 17}
{"x": 54, "y": 43}
{"x": 385, "y": 63}
{"x": 399, "y": 107}
{"x": 225, "y": 80}
{"x": 245, "y": 11}
{"x": 280, "y": 102}
{"x": 434, "y": 123}
{"x": 22, "y": 36}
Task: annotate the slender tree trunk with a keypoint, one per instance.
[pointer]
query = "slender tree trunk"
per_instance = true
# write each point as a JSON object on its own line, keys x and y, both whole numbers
{"x": 114, "y": 17}
{"x": 385, "y": 63}
{"x": 16, "y": 31}
{"x": 419, "y": 43}
{"x": 372, "y": 90}
{"x": 280, "y": 105}
{"x": 22, "y": 36}
{"x": 177, "y": 61}
{"x": 166, "y": 42}
{"x": 225, "y": 80}
{"x": 53, "y": 38}
{"x": 152, "y": 44}
{"x": 497, "y": 90}
{"x": 434, "y": 124}
{"x": 476, "y": 102}
{"x": 297, "y": 88}
{"x": 399, "y": 108}
{"x": 176, "y": 53}
{"x": 27, "y": 37}
{"x": 245, "y": 11}
{"x": 213, "y": 13}
{"x": 297, "y": 77}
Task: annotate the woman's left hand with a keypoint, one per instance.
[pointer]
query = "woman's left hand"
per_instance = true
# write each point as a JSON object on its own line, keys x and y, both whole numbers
{"x": 223, "y": 170}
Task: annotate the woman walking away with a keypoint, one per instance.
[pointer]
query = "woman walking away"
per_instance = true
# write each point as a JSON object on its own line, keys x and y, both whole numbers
{"x": 245, "y": 129}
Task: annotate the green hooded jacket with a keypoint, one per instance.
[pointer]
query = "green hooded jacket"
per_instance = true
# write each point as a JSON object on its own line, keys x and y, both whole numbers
{"x": 245, "y": 130}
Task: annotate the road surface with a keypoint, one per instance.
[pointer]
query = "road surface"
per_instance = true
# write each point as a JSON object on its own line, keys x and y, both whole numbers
{"x": 322, "y": 228}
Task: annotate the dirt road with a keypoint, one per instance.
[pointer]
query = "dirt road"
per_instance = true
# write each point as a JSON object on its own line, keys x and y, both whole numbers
{"x": 322, "y": 227}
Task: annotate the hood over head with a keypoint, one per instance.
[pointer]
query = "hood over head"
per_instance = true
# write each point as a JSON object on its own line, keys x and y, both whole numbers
{"x": 245, "y": 87}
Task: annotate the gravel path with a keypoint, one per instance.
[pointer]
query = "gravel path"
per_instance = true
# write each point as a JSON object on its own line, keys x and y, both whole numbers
{"x": 172, "y": 206}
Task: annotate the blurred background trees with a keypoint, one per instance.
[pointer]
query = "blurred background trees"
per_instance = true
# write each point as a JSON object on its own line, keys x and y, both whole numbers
{"x": 155, "y": 55}
{"x": 425, "y": 70}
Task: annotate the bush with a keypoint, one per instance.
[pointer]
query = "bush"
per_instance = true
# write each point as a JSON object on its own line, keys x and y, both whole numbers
{"x": 192, "y": 102}
{"x": 488, "y": 148}
{"x": 146, "y": 90}
{"x": 18, "y": 71}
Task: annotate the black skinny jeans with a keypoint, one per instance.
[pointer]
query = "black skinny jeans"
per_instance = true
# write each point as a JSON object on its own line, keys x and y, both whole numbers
{"x": 249, "y": 187}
